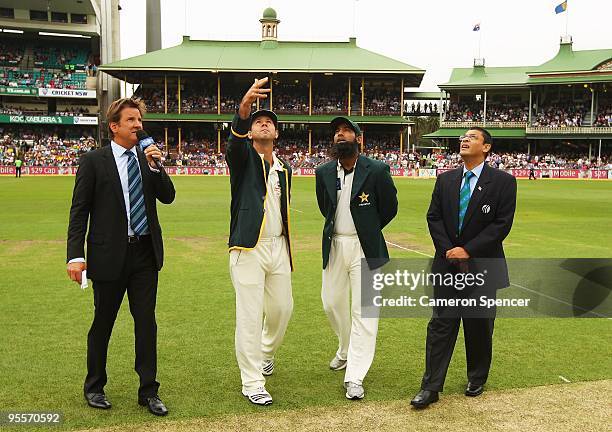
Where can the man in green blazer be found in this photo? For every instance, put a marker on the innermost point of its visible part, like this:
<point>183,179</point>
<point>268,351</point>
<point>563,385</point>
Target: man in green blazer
<point>259,244</point>
<point>357,197</point>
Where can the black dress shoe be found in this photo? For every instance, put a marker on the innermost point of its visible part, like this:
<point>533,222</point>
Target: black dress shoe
<point>97,400</point>
<point>424,398</point>
<point>155,405</point>
<point>473,390</point>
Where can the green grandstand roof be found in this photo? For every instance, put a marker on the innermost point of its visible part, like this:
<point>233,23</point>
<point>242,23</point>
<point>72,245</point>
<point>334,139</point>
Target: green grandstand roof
<point>495,133</point>
<point>256,56</point>
<point>481,77</point>
<point>567,67</point>
<point>568,60</point>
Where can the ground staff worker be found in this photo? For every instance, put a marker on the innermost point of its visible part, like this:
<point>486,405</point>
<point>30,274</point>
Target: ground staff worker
<point>260,248</point>
<point>18,163</point>
<point>357,197</point>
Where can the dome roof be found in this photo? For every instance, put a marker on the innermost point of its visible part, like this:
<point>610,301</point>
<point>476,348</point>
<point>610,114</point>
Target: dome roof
<point>269,13</point>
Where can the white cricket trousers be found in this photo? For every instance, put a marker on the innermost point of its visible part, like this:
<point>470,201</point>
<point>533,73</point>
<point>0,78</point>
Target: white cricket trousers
<point>341,295</point>
<point>262,281</point>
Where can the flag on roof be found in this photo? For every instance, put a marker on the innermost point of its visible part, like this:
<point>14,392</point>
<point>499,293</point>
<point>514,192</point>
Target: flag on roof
<point>561,8</point>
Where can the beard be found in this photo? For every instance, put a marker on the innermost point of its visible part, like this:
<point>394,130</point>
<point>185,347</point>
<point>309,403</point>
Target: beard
<point>344,149</point>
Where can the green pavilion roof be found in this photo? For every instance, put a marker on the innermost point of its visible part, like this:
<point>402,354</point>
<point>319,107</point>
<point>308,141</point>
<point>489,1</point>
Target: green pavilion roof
<point>567,67</point>
<point>264,56</point>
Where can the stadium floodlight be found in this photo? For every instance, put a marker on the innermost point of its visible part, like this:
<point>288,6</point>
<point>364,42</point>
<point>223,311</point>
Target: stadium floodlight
<point>64,35</point>
<point>12,31</point>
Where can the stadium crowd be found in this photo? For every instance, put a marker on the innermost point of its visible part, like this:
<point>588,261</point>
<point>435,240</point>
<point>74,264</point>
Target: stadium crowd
<point>380,102</point>
<point>520,160</point>
<point>496,112</point>
<point>42,78</point>
<point>67,111</point>
<point>604,117</point>
<point>288,98</point>
<point>41,147</point>
<point>569,114</point>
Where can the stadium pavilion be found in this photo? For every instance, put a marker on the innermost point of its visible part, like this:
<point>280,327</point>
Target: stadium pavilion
<point>193,89</point>
<point>559,105</point>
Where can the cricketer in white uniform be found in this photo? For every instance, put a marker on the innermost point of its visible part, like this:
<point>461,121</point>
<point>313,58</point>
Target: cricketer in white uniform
<point>260,249</point>
<point>357,197</point>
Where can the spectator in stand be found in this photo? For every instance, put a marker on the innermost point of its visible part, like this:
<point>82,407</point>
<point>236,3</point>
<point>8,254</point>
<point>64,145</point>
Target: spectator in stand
<point>604,117</point>
<point>559,115</point>
<point>496,112</point>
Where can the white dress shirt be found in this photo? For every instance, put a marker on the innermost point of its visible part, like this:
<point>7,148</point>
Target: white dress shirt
<point>273,225</point>
<point>121,160</point>
<point>343,221</point>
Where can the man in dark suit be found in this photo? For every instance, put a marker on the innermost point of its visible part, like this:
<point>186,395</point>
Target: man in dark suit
<point>116,188</point>
<point>357,197</point>
<point>471,213</point>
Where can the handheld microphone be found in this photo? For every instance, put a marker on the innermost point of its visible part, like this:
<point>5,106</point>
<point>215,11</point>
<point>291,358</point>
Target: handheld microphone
<point>144,141</point>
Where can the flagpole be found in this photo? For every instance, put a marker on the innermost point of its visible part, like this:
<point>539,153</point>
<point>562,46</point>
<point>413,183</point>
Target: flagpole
<point>479,41</point>
<point>566,20</point>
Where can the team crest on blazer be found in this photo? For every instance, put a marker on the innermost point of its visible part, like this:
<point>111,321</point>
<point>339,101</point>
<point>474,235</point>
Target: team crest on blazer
<point>486,208</point>
<point>364,199</point>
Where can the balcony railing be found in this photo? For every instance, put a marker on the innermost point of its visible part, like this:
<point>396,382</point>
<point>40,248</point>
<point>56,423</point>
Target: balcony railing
<point>569,130</point>
<point>489,124</point>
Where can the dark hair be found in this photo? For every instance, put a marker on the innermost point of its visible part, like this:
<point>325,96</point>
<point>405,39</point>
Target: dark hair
<point>488,139</point>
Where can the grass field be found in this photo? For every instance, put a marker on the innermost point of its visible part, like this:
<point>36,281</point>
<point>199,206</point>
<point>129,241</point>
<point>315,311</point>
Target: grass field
<point>44,318</point>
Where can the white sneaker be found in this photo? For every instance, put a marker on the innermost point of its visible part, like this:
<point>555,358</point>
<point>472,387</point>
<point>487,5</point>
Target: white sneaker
<point>354,391</point>
<point>259,396</point>
<point>337,364</point>
<point>267,367</point>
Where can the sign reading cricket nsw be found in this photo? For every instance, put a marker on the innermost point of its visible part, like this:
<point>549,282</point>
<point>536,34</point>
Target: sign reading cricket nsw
<point>66,93</point>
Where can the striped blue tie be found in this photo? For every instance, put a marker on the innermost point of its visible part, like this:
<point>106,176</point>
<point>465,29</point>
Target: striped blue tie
<point>138,215</point>
<point>464,197</point>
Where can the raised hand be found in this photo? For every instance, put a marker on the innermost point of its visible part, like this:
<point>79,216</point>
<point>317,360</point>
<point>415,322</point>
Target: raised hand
<point>254,93</point>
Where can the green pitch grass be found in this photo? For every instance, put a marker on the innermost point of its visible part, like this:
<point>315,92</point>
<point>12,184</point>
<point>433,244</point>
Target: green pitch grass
<point>44,318</point>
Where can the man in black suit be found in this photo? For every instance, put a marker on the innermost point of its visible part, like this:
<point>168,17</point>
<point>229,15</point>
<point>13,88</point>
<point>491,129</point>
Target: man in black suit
<point>471,213</point>
<point>357,197</point>
<point>116,188</point>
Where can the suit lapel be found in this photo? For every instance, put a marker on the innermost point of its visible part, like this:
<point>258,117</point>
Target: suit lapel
<point>113,175</point>
<point>362,169</point>
<point>282,180</point>
<point>455,186</point>
<point>480,190</point>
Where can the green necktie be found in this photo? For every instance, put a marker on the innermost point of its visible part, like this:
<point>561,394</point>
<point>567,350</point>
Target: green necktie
<point>464,197</point>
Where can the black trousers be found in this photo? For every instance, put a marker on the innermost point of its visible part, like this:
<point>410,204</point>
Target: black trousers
<point>139,279</point>
<point>442,333</point>
<point>18,172</point>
